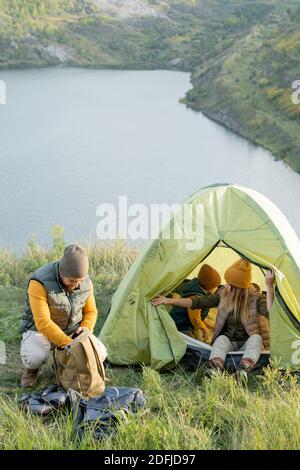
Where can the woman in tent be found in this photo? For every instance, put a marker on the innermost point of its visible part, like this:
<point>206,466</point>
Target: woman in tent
<point>242,319</point>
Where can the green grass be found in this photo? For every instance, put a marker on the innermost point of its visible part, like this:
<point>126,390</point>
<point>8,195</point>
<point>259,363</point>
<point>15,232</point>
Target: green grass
<point>185,410</point>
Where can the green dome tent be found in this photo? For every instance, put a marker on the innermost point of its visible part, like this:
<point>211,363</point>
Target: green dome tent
<point>236,222</point>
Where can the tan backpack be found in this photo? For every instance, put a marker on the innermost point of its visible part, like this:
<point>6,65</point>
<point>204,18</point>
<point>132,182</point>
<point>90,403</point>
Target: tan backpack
<point>79,366</point>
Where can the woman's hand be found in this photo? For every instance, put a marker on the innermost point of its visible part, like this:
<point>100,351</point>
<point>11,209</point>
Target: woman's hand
<point>160,299</point>
<point>270,278</point>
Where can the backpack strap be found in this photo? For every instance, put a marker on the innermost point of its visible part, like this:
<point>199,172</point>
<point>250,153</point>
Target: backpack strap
<point>99,361</point>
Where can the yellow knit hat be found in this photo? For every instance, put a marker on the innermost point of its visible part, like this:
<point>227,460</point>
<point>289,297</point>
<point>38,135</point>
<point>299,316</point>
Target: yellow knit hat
<point>239,274</point>
<point>208,277</point>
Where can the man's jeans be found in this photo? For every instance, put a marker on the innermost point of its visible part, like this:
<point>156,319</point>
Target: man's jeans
<point>36,348</point>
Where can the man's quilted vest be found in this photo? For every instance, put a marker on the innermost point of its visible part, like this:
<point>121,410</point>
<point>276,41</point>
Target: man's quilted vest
<point>256,323</point>
<point>65,307</point>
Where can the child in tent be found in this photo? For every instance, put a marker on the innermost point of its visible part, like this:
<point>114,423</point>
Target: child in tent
<point>197,323</point>
<point>242,319</point>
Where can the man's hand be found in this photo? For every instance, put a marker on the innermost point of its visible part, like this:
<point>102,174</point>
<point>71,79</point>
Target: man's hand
<point>80,329</point>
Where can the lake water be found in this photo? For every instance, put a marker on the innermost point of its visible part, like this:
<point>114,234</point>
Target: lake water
<point>72,139</point>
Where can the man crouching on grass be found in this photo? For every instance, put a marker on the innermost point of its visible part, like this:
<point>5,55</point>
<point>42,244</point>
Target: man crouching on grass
<point>60,301</point>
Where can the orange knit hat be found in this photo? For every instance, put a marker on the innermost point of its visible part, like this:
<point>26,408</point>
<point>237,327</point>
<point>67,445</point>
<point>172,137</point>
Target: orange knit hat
<point>208,277</point>
<point>239,274</point>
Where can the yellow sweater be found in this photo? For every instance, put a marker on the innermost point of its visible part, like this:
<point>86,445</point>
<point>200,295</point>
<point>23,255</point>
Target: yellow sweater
<point>42,316</point>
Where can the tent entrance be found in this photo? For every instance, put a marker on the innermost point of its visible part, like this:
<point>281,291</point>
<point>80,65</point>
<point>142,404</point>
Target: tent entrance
<point>221,257</point>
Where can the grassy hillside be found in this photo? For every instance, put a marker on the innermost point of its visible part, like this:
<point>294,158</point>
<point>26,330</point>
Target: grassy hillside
<point>249,88</point>
<point>244,56</point>
<point>184,411</point>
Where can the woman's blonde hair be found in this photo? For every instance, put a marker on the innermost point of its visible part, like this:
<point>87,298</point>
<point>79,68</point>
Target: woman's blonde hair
<point>236,300</point>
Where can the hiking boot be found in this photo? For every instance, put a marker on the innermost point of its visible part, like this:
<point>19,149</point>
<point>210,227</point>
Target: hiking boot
<point>242,373</point>
<point>241,376</point>
<point>29,377</point>
<point>214,367</point>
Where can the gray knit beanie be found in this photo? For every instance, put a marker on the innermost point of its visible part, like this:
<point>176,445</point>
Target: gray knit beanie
<point>74,263</point>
